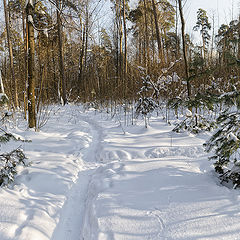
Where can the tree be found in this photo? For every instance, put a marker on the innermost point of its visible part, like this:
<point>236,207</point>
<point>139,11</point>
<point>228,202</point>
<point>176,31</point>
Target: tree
<point>184,48</point>
<point>31,65</point>
<point>7,14</point>
<point>157,30</point>
<point>125,40</point>
<point>61,56</point>
<point>204,26</point>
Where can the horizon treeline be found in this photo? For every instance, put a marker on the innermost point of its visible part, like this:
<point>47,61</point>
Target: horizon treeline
<point>56,50</point>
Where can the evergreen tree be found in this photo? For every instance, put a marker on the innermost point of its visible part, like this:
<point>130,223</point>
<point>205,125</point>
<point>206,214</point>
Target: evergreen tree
<point>146,103</point>
<point>225,143</point>
<point>204,26</point>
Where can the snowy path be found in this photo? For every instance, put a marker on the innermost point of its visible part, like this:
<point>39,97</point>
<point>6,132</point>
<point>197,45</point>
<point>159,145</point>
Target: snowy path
<point>71,219</point>
<point>48,201</point>
<point>157,185</point>
<point>89,181</point>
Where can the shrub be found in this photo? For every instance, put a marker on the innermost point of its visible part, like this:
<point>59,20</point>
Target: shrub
<point>225,144</point>
<point>8,165</point>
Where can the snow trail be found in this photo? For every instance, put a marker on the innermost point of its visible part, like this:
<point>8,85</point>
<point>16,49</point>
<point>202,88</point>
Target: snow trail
<point>73,214</point>
<point>161,189</point>
<point>89,181</point>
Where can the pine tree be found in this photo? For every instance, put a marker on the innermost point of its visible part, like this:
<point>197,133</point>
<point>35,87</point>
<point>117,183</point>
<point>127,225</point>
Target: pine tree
<point>225,143</point>
<point>146,103</point>
<point>204,26</point>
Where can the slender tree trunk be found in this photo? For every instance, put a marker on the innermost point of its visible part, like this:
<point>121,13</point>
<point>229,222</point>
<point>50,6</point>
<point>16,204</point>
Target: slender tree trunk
<point>204,52</point>
<point>184,48</point>
<point>213,31</point>
<point>61,57</point>
<point>1,83</point>
<point>120,44</point>
<point>31,67</point>
<point>125,40</point>
<point>146,37</point>
<point>86,42</point>
<point>153,39</point>
<point>15,98</point>
<point>157,31</point>
<point>177,42</point>
<point>24,32</point>
<point>238,54</point>
<point>81,57</point>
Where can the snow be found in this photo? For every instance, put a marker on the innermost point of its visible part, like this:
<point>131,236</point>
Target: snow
<point>188,113</point>
<point>233,137</point>
<point>88,180</point>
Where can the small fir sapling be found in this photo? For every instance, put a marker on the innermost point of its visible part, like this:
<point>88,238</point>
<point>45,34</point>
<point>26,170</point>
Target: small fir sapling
<point>145,104</point>
<point>195,122</point>
<point>8,165</point>
<point>11,160</point>
<point>225,142</point>
<point>150,90</point>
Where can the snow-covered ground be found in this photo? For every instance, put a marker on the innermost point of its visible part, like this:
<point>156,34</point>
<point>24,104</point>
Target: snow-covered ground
<point>90,181</point>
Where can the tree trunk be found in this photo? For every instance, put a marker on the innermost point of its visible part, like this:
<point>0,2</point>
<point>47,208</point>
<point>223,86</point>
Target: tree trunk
<point>125,41</point>
<point>120,44</point>
<point>238,44</point>
<point>61,57</point>
<point>146,37</point>
<point>1,83</point>
<point>184,47</point>
<point>157,31</point>
<point>15,98</point>
<point>86,42</point>
<point>31,68</point>
<point>81,56</point>
<point>24,32</point>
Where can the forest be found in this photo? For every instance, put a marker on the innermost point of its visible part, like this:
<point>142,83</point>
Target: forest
<point>117,122</point>
<point>52,51</point>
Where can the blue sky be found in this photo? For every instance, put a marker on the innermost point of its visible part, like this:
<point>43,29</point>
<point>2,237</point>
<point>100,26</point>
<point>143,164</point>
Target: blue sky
<point>223,11</point>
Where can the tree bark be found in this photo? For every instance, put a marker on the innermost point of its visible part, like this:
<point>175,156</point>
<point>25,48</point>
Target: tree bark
<point>61,57</point>
<point>184,48</point>
<point>125,40</point>
<point>157,31</point>
<point>31,68</point>
<point>1,83</point>
<point>24,32</point>
<point>15,98</point>
<point>146,37</point>
<point>120,44</point>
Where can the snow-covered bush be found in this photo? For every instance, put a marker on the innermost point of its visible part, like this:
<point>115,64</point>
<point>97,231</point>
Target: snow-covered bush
<point>10,161</point>
<point>225,144</point>
<point>145,106</point>
<point>175,103</point>
<point>230,99</point>
<point>194,123</point>
<point>3,99</point>
<point>7,136</point>
<point>146,103</point>
<point>8,165</point>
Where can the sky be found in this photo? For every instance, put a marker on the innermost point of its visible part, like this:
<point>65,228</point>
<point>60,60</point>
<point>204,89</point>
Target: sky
<point>223,10</point>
